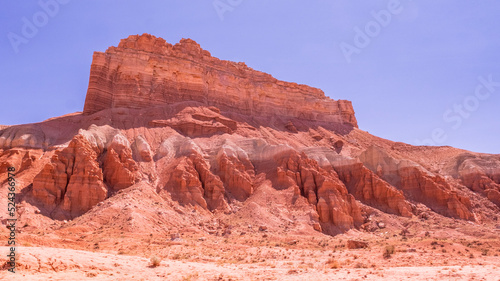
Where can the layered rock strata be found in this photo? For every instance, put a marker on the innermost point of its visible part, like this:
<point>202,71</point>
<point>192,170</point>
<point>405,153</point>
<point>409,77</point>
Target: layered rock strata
<point>145,71</point>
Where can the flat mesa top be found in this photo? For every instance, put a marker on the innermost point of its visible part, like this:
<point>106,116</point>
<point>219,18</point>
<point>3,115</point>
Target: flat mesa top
<point>146,71</point>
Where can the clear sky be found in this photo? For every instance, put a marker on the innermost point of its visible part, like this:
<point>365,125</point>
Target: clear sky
<point>420,72</point>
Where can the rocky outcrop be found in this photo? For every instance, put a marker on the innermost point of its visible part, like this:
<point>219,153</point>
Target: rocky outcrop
<point>184,185</point>
<point>337,209</point>
<point>72,183</point>
<point>368,188</point>
<point>197,122</point>
<point>84,173</point>
<point>192,183</point>
<point>25,136</point>
<point>236,171</point>
<point>142,150</point>
<point>19,159</point>
<point>482,175</point>
<point>433,191</point>
<point>417,183</point>
<point>120,170</point>
<point>145,71</point>
<point>212,185</point>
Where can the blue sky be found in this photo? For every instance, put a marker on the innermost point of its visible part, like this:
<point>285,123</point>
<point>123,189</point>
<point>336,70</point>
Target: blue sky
<point>420,72</point>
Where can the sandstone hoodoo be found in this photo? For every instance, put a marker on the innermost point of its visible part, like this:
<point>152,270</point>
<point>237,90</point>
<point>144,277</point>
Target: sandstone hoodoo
<point>171,137</point>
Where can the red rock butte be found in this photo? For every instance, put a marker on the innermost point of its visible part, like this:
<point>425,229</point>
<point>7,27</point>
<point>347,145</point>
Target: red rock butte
<point>184,137</point>
<point>146,71</point>
<point>180,155</point>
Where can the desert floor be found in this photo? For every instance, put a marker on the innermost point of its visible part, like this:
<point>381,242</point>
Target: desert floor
<point>267,257</point>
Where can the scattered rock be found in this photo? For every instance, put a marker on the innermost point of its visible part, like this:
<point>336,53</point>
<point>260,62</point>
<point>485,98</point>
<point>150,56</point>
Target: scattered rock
<point>317,137</point>
<point>356,244</point>
<point>175,237</point>
<point>338,145</point>
<point>317,226</point>
<point>424,216</point>
<point>291,127</point>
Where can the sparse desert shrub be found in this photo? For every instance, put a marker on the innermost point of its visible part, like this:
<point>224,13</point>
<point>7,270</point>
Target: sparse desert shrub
<point>360,265</point>
<point>332,263</point>
<point>192,277</point>
<point>155,261</point>
<point>356,244</point>
<point>7,264</point>
<point>388,251</point>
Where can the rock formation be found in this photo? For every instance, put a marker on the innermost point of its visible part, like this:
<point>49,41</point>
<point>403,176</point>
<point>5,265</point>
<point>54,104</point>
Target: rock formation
<point>192,183</point>
<point>322,188</point>
<point>236,171</point>
<point>120,170</point>
<point>82,175</point>
<point>417,183</point>
<point>371,189</point>
<point>199,137</point>
<point>72,183</point>
<point>145,71</point>
<point>481,174</point>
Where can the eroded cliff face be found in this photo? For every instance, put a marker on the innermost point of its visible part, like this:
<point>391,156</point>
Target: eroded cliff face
<point>417,183</point>
<point>72,183</point>
<point>216,138</point>
<point>481,174</point>
<point>82,175</point>
<point>145,71</point>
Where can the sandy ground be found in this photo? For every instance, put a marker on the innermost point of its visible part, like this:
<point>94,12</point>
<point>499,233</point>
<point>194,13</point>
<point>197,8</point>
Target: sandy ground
<point>37,263</point>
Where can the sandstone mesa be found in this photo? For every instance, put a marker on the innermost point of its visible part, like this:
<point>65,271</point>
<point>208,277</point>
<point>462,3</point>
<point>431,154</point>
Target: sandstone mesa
<point>186,132</point>
<point>207,132</point>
